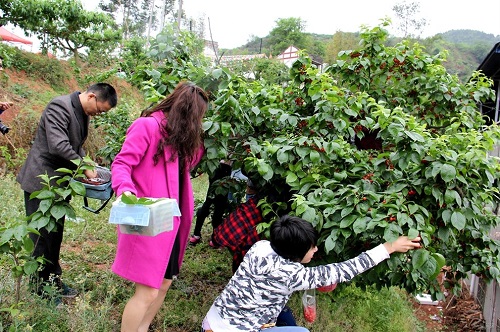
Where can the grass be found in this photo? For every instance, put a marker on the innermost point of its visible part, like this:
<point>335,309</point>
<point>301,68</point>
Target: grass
<point>87,254</point>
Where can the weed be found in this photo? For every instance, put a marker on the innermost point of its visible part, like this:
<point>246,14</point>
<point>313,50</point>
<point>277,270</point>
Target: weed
<point>87,254</point>
<point>21,90</point>
<point>37,66</point>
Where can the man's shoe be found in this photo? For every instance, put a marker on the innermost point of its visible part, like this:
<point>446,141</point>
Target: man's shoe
<point>68,292</point>
<point>194,240</point>
<point>56,302</point>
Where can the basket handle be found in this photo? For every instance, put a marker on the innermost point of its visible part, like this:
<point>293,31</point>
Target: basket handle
<point>96,211</point>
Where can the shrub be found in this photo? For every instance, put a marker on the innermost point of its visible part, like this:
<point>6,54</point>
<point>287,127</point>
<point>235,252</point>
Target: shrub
<point>49,70</point>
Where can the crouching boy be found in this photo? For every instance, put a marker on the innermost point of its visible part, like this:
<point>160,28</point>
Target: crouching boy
<point>272,270</point>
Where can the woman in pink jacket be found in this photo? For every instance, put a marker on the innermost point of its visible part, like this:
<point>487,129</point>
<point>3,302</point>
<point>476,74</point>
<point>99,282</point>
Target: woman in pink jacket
<point>160,149</point>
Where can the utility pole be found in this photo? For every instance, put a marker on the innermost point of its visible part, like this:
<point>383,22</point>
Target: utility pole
<point>162,19</point>
<point>179,16</point>
<point>150,23</point>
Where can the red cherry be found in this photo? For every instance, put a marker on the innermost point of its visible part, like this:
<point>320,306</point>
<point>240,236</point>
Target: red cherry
<point>310,314</point>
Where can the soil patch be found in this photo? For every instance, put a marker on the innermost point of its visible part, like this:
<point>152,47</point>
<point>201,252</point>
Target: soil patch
<point>454,314</point>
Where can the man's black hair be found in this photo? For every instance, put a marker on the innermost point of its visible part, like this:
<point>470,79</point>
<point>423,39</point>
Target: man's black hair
<point>292,237</point>
<point>104,92</point>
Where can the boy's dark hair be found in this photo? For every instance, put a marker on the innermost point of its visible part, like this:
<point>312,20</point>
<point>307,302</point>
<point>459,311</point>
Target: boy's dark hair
<point>292,237</point>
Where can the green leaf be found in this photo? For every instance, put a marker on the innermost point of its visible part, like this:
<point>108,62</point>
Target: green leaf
<point>444,234</point>
<point>226,128</point>
<point>392,232</point>
<point>58,211</point>
<point>404,219</point>
<point>129,199</point>
<point>429,267</point>
<point>291,178</point>
<point>78,187</point>
<point>6,236</point>
<point>347,221</point>
<point>45,205</point>
<point>28,244</point>
<point>215,127</point>
<point>302,152</point>
<point>446,215</point>
<point>415,136</point>
<point>413,233</point>
<point>315,156</point>
<point>396,187</point>
<point>495,273</point>
<point>339,176</point>
<point>217,73</point>
<point>70,212</point>
<point>458,220</point>
<point>330,242</point>
<point>40,222</point>
<point>346,211</point>
<point>65,170</point>
<point>448,173</point>
<point>420,256</point>
<point>265,170</point>
<point>451,196</point>
<point>207,125</point>
<point>309,214</point>
<point>441,261</point>
<point>45,194</point>
<point>360,225</point>
<point>282,156</point>
<point>30,267</point>
<point>412,208</point>
<point>145,201</point>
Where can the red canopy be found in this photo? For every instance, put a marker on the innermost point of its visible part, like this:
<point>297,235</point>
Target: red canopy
<point>9,36</point>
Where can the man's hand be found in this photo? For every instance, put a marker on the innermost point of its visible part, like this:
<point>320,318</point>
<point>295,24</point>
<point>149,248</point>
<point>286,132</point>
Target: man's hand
<point>402,244</point>
<point>90,173</point>
<point>5,105</point>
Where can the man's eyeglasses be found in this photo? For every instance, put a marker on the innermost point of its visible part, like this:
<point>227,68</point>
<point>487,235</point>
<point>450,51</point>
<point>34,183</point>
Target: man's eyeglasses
<point>97,107</point>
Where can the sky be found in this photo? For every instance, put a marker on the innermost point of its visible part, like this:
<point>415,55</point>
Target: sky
<point>233,22</point>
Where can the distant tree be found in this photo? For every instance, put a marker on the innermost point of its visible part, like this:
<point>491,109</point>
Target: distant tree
<point>61,24</point>
<point>408,23</point>
<point>254,45</point>
<point>133,54</point>
<point>288,31</point>
<point>271,70</point>
<point>197,26</point>
<point>316,48</point>
<point>340,41</point>
<point>167,9</point>
<point>467,36</point>
<point>135,14</point>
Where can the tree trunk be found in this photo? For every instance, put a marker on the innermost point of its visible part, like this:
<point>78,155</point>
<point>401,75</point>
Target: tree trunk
<point>76,56</point>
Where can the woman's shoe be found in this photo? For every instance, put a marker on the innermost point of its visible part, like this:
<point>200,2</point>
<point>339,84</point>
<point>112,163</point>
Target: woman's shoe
<point>213,245</point>
<point>194,240</point>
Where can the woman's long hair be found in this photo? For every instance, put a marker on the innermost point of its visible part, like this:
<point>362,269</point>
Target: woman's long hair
<point>184,109</point>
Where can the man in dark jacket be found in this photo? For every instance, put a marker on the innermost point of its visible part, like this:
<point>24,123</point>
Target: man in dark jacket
<point>61,132</point>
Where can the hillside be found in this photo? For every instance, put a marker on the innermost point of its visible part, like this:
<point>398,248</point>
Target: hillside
<point>466,48</point>
<point>469,37</point>
<point>30,90</point>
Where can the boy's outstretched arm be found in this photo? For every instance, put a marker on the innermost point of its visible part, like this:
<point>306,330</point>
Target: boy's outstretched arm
<point>402,244</point>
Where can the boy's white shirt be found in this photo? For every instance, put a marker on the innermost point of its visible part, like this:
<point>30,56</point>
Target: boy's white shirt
<point>250,285</point>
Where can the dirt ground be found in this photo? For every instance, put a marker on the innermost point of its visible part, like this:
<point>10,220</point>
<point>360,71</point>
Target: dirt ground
<point>455,314</point>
